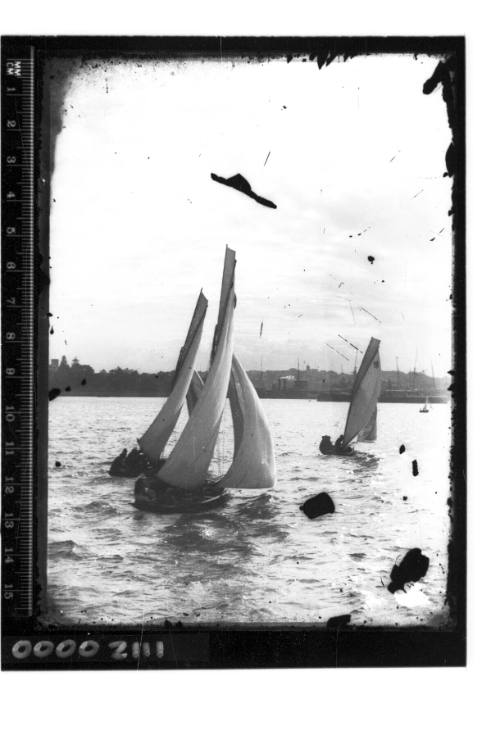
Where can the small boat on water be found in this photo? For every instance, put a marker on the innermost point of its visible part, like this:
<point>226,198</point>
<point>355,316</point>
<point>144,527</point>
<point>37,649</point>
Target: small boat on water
<point>425,407</point>
<point>362,415</point>
<point>181,482</point>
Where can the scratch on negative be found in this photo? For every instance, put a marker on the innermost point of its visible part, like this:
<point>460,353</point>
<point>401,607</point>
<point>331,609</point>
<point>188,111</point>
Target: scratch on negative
<point>370,314</point>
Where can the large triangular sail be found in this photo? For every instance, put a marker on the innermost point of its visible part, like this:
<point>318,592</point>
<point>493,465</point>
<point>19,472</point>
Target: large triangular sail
<point>365,392</point>
<point>226,286</point>
<point>188,463</point>
<point>158,433</point>
<point>253,463</point>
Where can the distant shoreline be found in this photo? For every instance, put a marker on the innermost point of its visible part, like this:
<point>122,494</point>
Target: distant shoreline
<point>281,397</point>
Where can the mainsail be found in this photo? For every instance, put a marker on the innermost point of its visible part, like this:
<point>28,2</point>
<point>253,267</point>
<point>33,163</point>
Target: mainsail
<point>365,392</point>
<point>156,436</point>
<point>188,463</point>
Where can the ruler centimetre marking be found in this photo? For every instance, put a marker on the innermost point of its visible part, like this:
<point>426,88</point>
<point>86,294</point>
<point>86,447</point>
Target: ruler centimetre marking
<point>17,331</point>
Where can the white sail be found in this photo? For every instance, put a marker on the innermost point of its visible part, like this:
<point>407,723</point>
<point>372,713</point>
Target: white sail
<point>156,436</point>
<point>188,463</point>
<point>369,432</point>
<point>253,458</point>
<point>365,392</point>
<point>226,285</point>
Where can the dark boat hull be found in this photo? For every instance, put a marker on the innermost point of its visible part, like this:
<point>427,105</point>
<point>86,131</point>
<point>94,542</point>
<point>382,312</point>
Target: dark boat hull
<point>120,469</point>
<point>151,494</point>
<point>338,454</point>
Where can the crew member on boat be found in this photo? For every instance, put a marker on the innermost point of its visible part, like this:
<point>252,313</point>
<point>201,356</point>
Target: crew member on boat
<point>327,448</point>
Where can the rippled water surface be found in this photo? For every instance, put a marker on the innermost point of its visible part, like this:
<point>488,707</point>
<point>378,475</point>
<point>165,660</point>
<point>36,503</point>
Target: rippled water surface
<point>258,558</point>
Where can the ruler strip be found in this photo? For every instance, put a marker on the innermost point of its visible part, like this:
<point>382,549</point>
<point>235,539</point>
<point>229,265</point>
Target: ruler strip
<point>18,369</point>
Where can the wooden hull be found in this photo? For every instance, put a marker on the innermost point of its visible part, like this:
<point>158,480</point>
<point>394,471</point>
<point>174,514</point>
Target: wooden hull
<point>338,454</point>
<point>151,494</point>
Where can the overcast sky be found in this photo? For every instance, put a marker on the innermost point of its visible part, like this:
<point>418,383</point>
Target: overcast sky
<point>138,226</point>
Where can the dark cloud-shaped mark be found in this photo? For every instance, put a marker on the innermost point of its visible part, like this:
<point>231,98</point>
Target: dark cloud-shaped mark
<point>238,182</point>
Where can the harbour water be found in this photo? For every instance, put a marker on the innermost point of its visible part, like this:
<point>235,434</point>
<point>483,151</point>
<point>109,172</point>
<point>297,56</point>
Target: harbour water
<point>257,559</point>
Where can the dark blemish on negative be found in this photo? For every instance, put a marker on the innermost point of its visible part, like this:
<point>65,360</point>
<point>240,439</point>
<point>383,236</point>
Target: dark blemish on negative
<point>267,158</point>
<point>53,393</point>
<point>414,467</point>
<point>51,330</point>
<point>444,73</point>
<point>238,182</point>
<point>334,623</point>
<point>405,498</point>
<point>433,238</point>
<point>371,259</point>
<point>283,107</point>
<point>49,315</point>
<point>84,382</point>
<point>68,388</point>
<point>318,505</point>
<point>412,568</point>
<point>58,464</point>
<point>420,191</point>
<point>402,449</point>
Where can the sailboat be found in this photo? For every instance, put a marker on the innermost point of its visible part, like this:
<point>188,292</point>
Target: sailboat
<point>362,415</point>
<point>425,407</point>
<point>147,456</point>
<point>182,482</point>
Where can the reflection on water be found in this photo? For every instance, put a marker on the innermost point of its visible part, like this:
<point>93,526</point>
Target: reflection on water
<point>257,558</point>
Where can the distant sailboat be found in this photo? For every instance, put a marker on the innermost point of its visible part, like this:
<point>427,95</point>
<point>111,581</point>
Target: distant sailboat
<point>181,483</point>
<point>425,407</point>
<point>362,415</point>
<point>152,443</point>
